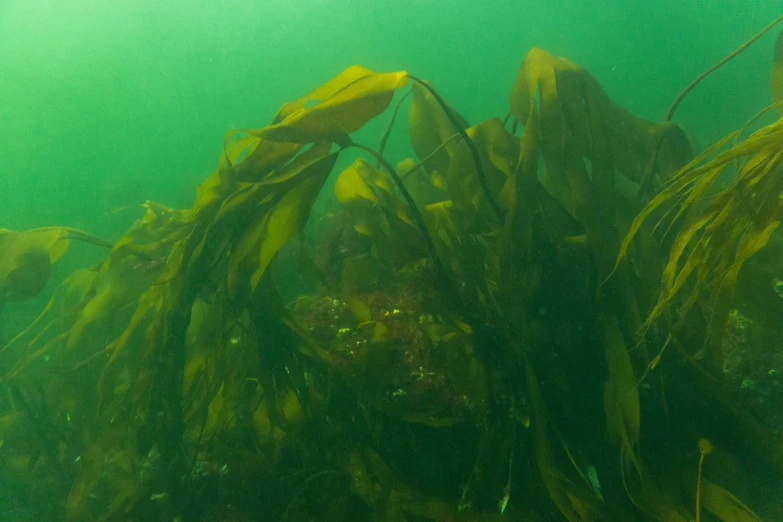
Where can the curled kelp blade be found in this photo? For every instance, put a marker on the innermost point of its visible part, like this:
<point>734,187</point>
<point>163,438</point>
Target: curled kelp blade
<point>356,98</point>
<point>351,190</point>
<point>266,156</point>
<point>26,259</point>
<point>327,90</point>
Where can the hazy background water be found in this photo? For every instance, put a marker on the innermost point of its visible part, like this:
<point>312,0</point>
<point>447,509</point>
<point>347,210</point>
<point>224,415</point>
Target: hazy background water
<point>105,104</point>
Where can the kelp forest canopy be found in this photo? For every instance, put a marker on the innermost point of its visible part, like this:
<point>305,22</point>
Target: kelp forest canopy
<point>559,315</point>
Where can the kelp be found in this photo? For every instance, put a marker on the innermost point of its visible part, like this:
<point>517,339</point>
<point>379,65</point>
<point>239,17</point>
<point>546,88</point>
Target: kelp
<point>28,256</point>
<point>462,342</point>
<point>717,230</point>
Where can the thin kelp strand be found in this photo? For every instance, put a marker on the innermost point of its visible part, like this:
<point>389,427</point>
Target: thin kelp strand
<point>506,118</point>
<point>665,219</point>
<point>429,156</point>
<point>390,126</point>
<point>687,170</point>
<point>694,83</point>
<point>758,116</point>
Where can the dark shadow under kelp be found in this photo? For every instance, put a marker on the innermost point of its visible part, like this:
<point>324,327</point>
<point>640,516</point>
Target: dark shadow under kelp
<point>481,336</point>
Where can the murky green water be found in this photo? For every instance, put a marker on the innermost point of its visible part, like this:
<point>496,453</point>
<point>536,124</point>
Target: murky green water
<point>107,105</point>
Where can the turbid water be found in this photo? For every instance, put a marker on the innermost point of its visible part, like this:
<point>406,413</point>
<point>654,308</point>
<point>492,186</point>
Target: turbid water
<point>312,337</point>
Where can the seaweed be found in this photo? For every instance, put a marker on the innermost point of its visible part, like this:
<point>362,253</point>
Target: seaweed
<point>483,334</point>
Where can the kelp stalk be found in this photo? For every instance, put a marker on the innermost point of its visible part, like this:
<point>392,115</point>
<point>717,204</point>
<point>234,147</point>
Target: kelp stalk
<point>429,156</point>
<point>482,178</point>
<point>81,235</point>
<point>706,73</point>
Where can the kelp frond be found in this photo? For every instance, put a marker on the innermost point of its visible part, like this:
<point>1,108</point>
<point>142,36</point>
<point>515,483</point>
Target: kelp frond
<point>717,229</point>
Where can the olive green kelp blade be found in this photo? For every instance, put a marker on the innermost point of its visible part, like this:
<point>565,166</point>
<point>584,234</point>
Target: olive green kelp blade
<point>368,193</point>
<point>280,220</point>
<point>358,96</point>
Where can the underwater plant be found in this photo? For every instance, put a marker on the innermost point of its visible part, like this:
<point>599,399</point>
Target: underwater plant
<point>462,338</point>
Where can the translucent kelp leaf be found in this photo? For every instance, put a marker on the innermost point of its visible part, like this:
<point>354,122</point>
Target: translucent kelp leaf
<point>405,166</point>
<point>150,303</point>
<point>568,99</point>
<point>679,183</point>
<point>107,472</point>
<point>342,113</point>
<point>211,192</point>
<point>75,291</point>
<point>375,331</point>
<point>289,175</point>
<point>358,308</point>
<point>94,295</point>
<point>536,76</point>
<point>151,237</point>
<point>438,218</point>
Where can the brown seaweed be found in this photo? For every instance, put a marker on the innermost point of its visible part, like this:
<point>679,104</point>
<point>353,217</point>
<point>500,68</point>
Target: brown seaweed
<point>475,311</point>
